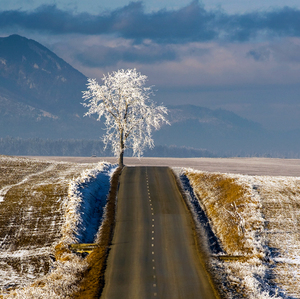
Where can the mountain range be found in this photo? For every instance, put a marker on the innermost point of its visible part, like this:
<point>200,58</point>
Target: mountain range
<point>41,95</point>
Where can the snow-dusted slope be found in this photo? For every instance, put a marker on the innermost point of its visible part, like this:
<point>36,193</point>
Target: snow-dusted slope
<point>44,209</point>
<point>254,239</point>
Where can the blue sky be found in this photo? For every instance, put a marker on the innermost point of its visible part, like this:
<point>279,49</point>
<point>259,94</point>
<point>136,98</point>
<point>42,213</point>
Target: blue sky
<point>239,55</point>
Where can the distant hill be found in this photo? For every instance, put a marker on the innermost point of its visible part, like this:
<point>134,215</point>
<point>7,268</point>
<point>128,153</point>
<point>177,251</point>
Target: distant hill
<point>225,134</point>
<point>40,93</point>
<point>217,130</point>
<point>34,75</point>
<point>40,96</point>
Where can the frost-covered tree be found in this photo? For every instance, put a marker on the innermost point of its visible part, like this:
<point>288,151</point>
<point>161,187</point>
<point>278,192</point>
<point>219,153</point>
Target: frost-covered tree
<point>130,115</point>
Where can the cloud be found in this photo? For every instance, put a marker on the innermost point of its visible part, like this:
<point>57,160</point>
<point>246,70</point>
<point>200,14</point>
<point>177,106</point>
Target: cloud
<point>287,52</point>
<point>261,54</point>
<point>106,51</point>
<point>187,66</point>
<point>188,23</point>
<point>284,22</point>
<point>192,23</point>
<point>102,55</point>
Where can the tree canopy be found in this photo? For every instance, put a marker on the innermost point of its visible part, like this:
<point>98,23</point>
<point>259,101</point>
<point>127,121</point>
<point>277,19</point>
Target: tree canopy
<point>130,115</point>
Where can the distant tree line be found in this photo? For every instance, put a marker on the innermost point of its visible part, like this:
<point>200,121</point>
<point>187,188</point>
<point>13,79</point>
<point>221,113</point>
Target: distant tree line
<point>86,148</point>
<point>260,154</point>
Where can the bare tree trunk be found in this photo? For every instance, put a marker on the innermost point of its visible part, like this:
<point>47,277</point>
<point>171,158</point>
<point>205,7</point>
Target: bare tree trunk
<point>121,156</point>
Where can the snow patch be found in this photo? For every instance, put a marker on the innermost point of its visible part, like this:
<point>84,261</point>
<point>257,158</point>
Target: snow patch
<point>87,199</point>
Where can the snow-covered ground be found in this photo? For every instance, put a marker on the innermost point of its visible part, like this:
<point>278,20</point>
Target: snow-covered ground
<point>248,166</point>
<point>252,227</point>
<point>44,207</point>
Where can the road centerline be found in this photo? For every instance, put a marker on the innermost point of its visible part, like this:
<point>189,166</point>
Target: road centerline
<point>152,238</point>
<point>153,244</point>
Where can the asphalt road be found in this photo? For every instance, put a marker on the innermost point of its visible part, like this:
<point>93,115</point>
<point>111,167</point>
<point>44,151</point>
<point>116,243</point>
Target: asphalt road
<point>153,254</point>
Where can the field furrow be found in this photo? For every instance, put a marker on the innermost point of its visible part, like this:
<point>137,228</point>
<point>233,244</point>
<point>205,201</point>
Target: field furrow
<point>34,195</point>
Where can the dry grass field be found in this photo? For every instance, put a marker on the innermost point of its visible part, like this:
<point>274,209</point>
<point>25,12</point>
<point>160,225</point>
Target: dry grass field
<point>254,217</point>
<point>40,204</point>
<point>256,221</point>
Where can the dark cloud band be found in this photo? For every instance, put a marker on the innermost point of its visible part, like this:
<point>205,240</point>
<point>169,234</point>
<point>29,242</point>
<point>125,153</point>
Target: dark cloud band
<point>187,24</point>
<point>100,56</point>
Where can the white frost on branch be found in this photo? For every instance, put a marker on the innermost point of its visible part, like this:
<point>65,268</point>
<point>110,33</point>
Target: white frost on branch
<point>130,114</point>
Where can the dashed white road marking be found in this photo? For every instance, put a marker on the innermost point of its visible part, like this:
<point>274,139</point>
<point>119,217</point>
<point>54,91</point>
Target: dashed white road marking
<point>152,237</point>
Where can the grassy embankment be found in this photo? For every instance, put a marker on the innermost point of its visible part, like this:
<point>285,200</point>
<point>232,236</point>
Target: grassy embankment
<point>34,206</point>
<point>230,206</point>
<point>234,216</point>
<point>93,278</point>
<point>256,221</point>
